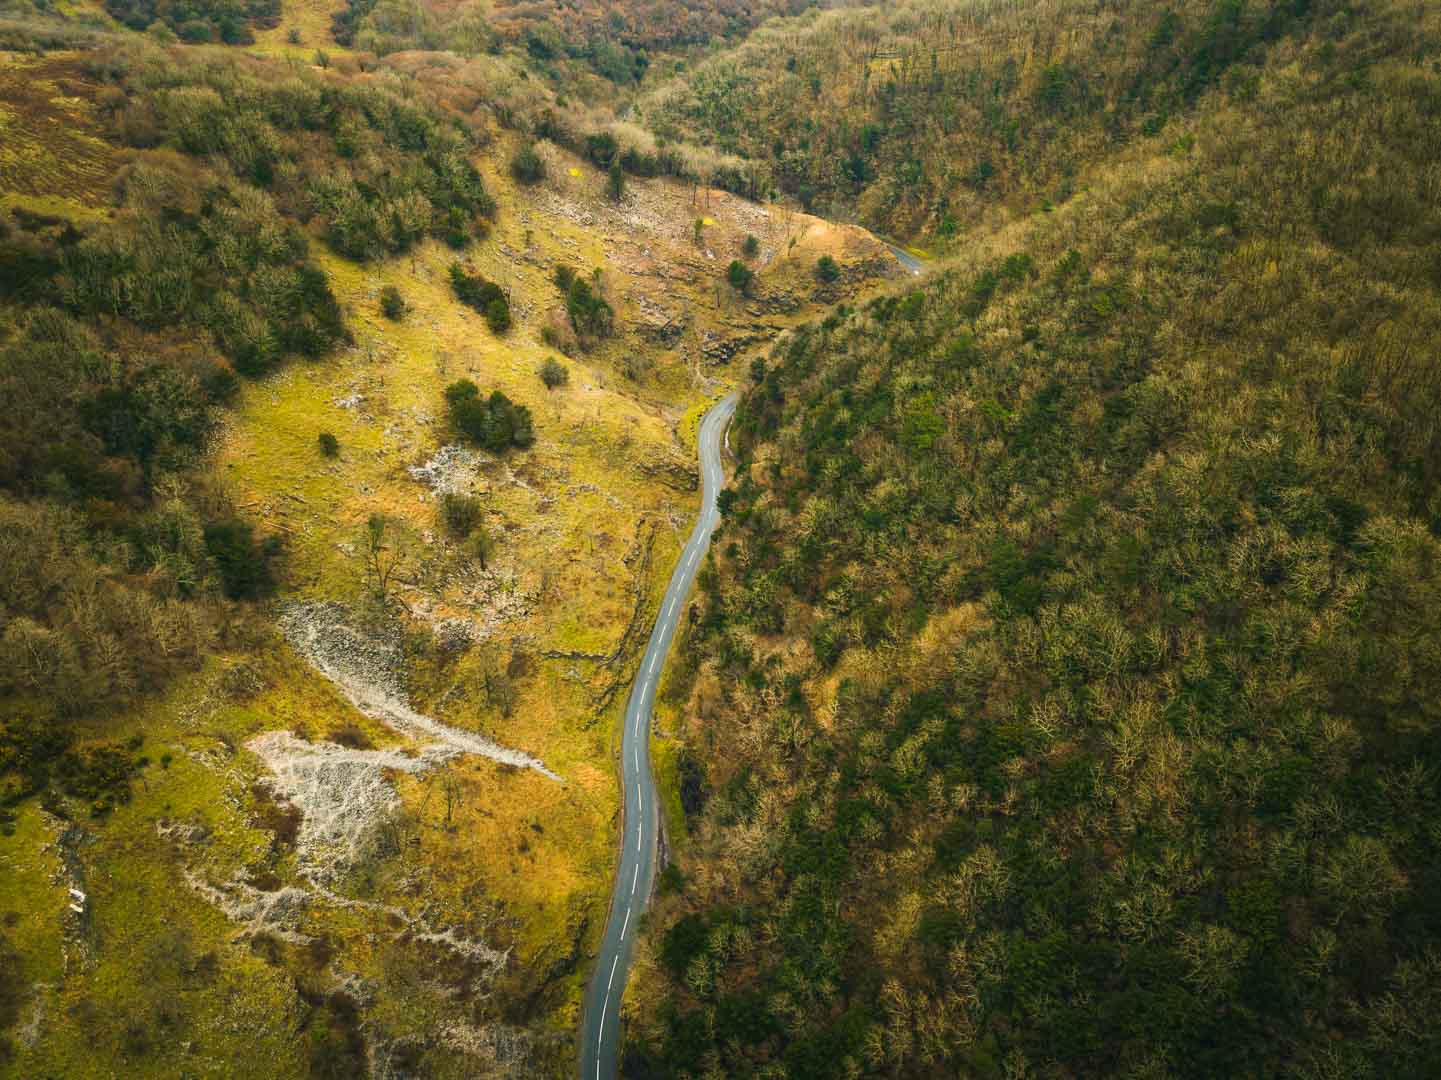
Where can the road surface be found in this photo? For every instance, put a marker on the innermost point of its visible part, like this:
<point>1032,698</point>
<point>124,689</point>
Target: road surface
<point>906,259</point>
<point>600,1029</point>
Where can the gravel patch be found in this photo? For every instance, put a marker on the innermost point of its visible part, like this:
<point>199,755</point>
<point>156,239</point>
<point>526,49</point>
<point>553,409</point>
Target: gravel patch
<point>452,469</point>
<point>368,670</point>
<point>344,794</point>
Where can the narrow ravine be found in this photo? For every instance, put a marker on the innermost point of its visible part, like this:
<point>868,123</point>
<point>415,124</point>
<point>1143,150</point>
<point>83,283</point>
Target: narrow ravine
<point>635,873</point>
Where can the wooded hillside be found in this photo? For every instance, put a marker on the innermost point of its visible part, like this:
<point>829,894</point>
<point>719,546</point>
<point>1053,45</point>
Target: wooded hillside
<point>1067,693</point>
<point>922,118</point>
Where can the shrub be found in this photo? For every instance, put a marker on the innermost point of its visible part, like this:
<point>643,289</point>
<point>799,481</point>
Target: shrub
<point>460,513</point>
<point>751,247</point>
<point>494,423</point>
<point>527,166</point>
<point>590,315</point>
<point>615,182</point>
<point>199,20</point>
<point>329,444</point>
<point>553,373</point>
<point>497,315</point>
<point>828,270</point>
<point>243,565</point>
<point>484,296</point>
<point>392,304</point>
<point>740,276</point>
<point>601,148</point>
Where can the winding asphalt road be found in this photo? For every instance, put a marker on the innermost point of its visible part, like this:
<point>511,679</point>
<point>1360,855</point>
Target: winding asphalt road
<point>600,1030</point>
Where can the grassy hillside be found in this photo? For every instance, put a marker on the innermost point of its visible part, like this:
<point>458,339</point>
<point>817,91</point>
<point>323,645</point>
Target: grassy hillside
<point>919,118</point>
<point>227,322</point>
<point>1066,697</point>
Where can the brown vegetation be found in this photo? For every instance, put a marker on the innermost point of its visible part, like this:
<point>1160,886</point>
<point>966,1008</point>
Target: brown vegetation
<point>1068,669</point>
<point>920,118</point>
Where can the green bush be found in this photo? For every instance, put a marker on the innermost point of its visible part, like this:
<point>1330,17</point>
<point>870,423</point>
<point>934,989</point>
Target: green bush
<point>484,296</point>
<point>460,513</point>
<point>527,166</point>
<point>497,315</point>
<point>392,304</point>
<point>227,21</point>
<point>828,270</point>
<point>243,564</point>
<point>494,423</point>
<point>591,316</point>
<point>553,373</point>
<point>740,277</point>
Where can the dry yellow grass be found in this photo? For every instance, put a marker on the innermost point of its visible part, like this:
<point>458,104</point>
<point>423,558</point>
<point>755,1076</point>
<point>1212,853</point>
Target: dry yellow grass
<point>311,20</point>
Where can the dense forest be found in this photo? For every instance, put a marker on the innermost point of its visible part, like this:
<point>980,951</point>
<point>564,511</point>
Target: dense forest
<point>210,20</point>
<point>919,117</point>
<point>1066,699</point>
<point>612,39</point>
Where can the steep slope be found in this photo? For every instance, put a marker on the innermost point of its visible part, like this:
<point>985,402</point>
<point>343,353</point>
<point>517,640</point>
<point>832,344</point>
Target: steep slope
<point>921,118</point>
<point>1065,701</point>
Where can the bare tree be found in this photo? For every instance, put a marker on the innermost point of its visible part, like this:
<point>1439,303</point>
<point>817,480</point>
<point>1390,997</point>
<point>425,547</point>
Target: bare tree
<point>386,551</point>
<point>451,789</point>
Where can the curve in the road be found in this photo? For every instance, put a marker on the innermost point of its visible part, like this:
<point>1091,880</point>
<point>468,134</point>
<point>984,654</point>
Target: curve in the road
<point>906,259</point>
<point>600,1030</point>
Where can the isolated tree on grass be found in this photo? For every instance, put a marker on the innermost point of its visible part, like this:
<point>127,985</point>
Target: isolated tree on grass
<point>385,551</point>
<point>483,545</point>
<point>553,373</point>
<point>392,304</point>
<point>740,276</point>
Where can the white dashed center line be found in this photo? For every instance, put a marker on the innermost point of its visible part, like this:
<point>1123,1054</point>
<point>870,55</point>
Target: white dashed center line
<point>646,683</point>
